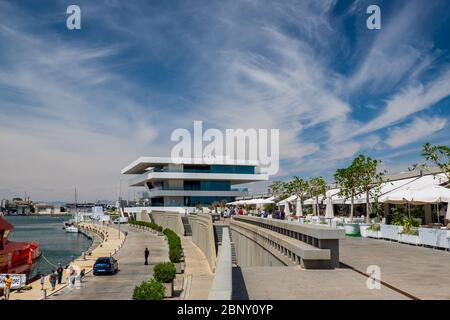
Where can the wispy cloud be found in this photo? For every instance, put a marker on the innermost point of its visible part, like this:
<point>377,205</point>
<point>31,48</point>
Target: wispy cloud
<point>418,129</point>
<point>77,107</point>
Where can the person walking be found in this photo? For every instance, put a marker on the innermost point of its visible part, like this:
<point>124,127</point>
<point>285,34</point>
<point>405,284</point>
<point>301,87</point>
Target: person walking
<point>146,254</point>
<point>53,277</point>
<point>42,281</point>
<point>59,271</point>
<point>8,282</point>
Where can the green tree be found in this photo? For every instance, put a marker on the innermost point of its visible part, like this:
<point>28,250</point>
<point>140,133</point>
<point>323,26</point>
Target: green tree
<point>347,179</point>
<point>439,155</point>
<point>369,178</point>
<point>317,187</point>
<point>299,187</point>
<point>278,188</point>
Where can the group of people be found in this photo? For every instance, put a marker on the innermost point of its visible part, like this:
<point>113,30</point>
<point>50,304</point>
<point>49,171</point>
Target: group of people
<point>260,213</point>
<point>228,213</point>
<point>55,277</point>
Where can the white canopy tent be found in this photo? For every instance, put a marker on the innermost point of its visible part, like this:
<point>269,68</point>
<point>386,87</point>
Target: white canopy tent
<point>288,199</point>
<point>387,190</point>
<point>259,201</point>
<point>434,194</point>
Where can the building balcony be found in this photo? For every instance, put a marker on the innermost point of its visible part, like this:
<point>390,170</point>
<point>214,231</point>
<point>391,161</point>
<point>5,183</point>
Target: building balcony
<point>161,175</point>
<point>157,192</point>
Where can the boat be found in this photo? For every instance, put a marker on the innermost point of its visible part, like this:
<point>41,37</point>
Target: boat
<point>72,229</point>
<point>16,257</point>
<point>70,226</point>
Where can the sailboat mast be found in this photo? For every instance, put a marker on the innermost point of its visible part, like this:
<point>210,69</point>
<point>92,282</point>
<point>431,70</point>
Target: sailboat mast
<point>76,207</point>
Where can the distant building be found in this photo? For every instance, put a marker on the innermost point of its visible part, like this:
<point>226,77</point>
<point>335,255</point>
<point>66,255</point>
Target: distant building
<point>191,182</point>
<point>47,209</point>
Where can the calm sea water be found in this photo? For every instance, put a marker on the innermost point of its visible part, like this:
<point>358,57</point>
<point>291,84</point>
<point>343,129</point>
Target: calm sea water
<point>56,244</point>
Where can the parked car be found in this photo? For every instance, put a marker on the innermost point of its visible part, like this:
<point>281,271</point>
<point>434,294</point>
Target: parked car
<point>105,265</point>
<point>120,220</point>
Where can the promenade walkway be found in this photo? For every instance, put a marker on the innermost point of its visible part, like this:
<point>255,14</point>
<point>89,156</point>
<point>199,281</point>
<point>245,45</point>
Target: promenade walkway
<point>419,271</point>
<point>105,248</point>
<point>197,275</point>
<point>131,266</point>
<point>294,283</point>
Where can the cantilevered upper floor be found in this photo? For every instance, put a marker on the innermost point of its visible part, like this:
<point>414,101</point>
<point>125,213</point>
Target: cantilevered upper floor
<point>159,169</point>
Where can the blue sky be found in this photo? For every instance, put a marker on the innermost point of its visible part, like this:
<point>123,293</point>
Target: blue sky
<point>77,106</point>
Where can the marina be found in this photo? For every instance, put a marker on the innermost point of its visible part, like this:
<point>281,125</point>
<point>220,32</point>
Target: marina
<point>56,244</point>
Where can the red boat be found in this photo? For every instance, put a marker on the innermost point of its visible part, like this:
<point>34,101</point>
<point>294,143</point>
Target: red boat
<point>16,257</point>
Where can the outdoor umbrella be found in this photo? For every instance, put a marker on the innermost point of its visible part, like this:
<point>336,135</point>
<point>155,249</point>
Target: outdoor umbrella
<point>286,209</point>
<point>298,208</point>
<point>447,216</point>
<point>329,211</point>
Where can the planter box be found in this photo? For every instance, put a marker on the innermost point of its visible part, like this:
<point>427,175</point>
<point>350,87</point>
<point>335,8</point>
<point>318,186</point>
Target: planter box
<point>168,293</point>
<point>373,234</point>
<point>390,232</point>
<point>179,266</point>
<point>363,230</point>
<point>351,229</point>
<point>409,238</point>
<point>441,238</point>
<point>428,236</point>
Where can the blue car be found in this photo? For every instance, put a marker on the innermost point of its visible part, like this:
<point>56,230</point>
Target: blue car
<point>105,265</point>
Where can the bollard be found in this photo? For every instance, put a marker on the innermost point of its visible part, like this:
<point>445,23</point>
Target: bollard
<point>45,294</point>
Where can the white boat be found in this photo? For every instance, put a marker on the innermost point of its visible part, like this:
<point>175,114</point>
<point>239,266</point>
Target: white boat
<point>72,229</point>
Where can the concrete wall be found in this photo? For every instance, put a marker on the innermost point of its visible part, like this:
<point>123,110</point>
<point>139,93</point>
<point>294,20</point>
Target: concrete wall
<point>171,220</point>
<point>143,215</point>
<point>222,286</point>
<point>203,237</point>
<point>270,242</point>
<point>251,254</point>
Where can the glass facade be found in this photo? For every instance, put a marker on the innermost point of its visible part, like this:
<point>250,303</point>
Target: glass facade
<point>205,201</point>
<point>219,169</point>
<point>206,185</point>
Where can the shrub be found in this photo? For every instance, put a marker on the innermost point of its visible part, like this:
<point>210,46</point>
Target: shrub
<point>175,248</point>
<point>374,227</point>
<point>397,219</point>
<point>410,230</point>
<point>411,222</point>
<point>149,290</point>
<point>164,272</point>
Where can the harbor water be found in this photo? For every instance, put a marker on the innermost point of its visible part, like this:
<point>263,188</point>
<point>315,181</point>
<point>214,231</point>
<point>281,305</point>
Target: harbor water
<point>57,245</point>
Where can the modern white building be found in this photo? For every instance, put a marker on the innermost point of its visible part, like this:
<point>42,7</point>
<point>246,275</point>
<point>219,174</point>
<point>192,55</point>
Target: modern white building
<point>187,182</point>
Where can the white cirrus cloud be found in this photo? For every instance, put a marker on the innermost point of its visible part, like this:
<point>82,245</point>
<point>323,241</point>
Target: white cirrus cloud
<point>418,129</point>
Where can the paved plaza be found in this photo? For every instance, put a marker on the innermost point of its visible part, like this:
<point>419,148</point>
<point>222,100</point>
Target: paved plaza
<point>420,271</point>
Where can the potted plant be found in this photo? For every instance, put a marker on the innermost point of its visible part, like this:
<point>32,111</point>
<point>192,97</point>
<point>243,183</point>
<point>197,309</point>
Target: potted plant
<point>409,235</point>
<point>165,273</point>
<point>373,231</point>
<point>363,229</point>
<point>149,290</point>
<point>391,231</point>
